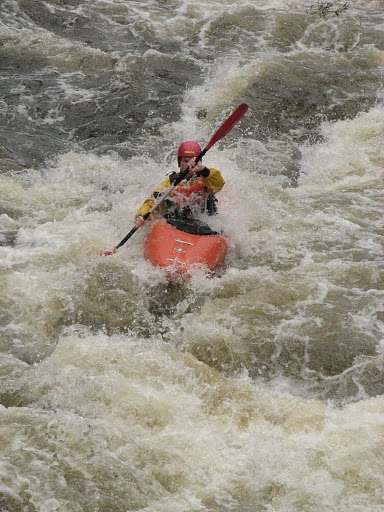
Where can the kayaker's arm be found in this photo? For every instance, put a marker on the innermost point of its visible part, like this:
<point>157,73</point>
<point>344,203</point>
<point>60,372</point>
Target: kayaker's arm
<point>212,179</point>
<point>150,201</point>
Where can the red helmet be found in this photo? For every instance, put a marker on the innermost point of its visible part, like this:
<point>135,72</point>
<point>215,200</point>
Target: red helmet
<point>189,148</point>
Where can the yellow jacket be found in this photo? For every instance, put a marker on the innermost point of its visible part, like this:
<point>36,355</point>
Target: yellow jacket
<point>211,184</point>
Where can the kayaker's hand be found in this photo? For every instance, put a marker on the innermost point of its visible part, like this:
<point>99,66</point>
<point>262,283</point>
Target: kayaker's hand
<point>194,168</point>
<point>173,177</point>
<point>139,221</point>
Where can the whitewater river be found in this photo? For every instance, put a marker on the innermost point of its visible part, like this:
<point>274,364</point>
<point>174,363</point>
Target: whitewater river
<point>260,389</point>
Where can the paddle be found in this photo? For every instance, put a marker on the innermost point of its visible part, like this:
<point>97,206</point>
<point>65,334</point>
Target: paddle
<point>226,127</point>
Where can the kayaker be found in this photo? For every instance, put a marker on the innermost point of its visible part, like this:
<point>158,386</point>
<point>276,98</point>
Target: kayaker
<point>196,193</point>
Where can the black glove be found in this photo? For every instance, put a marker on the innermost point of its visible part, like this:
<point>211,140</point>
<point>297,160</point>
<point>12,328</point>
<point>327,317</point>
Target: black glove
<point>204,172</point>
<point>173,177</point>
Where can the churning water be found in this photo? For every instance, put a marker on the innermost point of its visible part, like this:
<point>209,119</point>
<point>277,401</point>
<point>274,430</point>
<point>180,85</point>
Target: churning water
<point>258,390</point>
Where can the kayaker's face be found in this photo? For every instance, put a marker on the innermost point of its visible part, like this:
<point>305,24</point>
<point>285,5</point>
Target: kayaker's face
<point>184,161</point>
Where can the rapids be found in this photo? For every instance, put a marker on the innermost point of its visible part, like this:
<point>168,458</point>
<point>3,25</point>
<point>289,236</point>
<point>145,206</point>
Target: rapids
<point>260,389</point>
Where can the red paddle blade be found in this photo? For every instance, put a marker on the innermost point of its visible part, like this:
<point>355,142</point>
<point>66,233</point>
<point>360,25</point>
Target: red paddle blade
<point>108,253</point>
<point>228,124</point>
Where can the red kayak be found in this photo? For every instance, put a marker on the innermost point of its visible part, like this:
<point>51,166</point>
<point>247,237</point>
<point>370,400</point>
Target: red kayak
<point>183,244</point>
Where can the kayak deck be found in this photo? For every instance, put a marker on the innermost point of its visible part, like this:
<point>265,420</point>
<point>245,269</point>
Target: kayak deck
<point>167,246</point>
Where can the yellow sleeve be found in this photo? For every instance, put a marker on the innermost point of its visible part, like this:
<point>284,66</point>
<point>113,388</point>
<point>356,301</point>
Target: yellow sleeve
<point>150,201</point>
<point>214,182</point>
